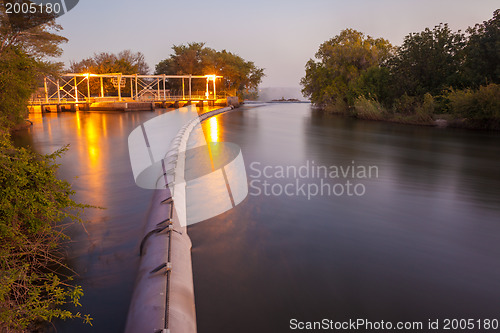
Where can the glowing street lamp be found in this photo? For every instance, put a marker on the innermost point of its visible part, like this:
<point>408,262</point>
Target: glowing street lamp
<point>212,77</point>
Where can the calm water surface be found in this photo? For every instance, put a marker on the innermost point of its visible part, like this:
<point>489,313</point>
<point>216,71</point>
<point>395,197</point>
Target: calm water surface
<point>422,243</point>
<point>104,253</point>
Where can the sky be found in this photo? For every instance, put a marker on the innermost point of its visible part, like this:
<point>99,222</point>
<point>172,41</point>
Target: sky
<point>277,35</point>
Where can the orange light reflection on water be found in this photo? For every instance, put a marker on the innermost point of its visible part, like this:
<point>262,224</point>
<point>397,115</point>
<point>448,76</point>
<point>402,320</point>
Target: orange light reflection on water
<point>78,124</point>
<point>92,150</point>
<point>212,130</point>
<point>213,127</point>
<point>93,132</point>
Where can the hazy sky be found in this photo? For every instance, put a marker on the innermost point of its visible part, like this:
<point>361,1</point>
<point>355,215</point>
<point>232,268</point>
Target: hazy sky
<point>278,35</point>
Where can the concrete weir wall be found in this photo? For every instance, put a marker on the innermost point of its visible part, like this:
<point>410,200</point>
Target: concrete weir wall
<point>163,297</point>
<point>163,300</point>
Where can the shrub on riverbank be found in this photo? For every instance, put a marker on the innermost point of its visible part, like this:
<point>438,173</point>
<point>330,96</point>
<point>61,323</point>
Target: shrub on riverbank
<point>35,208</point>
<point>407,111</point>
<point>483,103</point>
<point>425,110</point>
<point>476,108</point>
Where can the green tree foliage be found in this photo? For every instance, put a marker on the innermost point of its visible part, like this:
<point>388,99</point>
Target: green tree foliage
<point>186,59</point>
<point>434,70</point>
<point>342,60</point>
<point>374,83</point>
<point>17,82</point>
<point>125,62</point>
<point>239,76</point>
<point>22,61</point>
<point>428,61</point>
<point>39,41</point>
<point>482,53</point>
<point>35,207</point>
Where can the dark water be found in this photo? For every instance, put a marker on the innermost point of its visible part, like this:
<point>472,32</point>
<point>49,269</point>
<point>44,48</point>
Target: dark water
<point>422,243</point>
<point>105,253</point>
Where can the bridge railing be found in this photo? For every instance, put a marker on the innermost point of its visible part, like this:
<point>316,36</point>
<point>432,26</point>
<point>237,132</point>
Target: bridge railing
<point>55,101</point>
<point>79,88</point>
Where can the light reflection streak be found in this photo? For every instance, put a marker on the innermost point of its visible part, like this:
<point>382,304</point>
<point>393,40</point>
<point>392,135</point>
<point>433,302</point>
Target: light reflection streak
<point>214,129</point>
<point>211,132</point>
<point>92,134</point>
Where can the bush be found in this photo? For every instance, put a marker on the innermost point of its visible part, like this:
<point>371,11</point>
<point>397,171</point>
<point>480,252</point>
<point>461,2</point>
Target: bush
<point>33,206</point>
<point>479,104</point>
<point>425,110</point>
<point>405,105</point>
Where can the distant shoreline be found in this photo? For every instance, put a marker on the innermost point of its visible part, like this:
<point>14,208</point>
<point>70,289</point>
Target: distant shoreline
<point>438,120</point>
<point>288,101</point>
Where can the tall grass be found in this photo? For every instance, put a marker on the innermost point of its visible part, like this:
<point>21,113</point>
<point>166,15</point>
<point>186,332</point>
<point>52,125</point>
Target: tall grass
<point>370,109</point>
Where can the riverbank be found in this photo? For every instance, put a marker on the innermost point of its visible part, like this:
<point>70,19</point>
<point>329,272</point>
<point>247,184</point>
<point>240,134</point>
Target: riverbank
<point>442,121</point>
<point>413,113</point>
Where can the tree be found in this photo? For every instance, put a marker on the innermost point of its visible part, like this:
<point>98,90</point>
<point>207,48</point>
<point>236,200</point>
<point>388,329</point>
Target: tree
<point>36,35</point>
<point>239,75</point>
<point>482,53</point>
<point>374,83</point>
<point>342,60</point>
<point>17,82</point>
<point>428,61</point>
<point>433,70</point>
<point>125,62</point>
<point>23,55</point>
<point>186,59</point>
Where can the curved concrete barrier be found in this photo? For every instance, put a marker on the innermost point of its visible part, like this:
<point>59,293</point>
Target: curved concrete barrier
<point>163,297</point>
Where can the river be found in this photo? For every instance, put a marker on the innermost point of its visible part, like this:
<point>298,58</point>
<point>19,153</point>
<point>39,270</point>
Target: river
<point>418,239</point>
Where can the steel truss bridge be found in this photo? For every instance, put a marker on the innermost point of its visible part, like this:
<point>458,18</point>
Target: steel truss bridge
<point>75,88</point>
